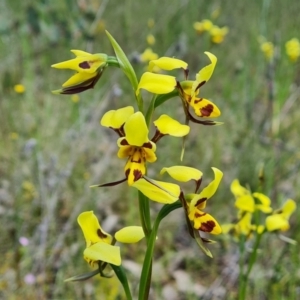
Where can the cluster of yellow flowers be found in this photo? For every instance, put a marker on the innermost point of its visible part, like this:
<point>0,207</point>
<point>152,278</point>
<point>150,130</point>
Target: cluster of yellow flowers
<point>292,49</point>
<point>217,34</point>
<point>135,145</point>
<point>248,204</point>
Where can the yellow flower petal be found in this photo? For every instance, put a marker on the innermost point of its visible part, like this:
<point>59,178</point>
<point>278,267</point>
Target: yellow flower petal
<point>130,234</point>
<point>264,203</point>
<point>277,222</point>
<point>167,125</point>
<point>205,73</point>
<point>136,130</point>
<point>78,78</point>
<point>158,191</point>
<point>157,83</point>
<point>148,55</point>
<point>91,228</point>
<point>103,252</point>
<point>244,200</point>
<point>182,173</point>
<point>116,118</point>
<point>288,208</point>
<point>210,190</point>
<point>167,63</point>
<point>205,108</point>
<point>206,223</point>
<point>80,53</point>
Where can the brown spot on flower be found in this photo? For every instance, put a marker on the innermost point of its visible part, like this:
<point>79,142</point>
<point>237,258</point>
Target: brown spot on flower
<point>124,142</point>
<point>207,226</point>
<point>101,234</point>
<point>84,65</point>
<point>148,145</point>
<point>137,174</point>
<point>206,110</point>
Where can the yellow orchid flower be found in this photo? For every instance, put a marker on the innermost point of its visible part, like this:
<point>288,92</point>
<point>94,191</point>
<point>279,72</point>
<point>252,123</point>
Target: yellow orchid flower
<point>268,49</point>
<point>148,55</point>
<point>99,243</point>
<point>244,200</point>
<point>204,25</point>
<point>217,34</point>
<point>137,147</point>
<point>88,67</point>
<point>292,48</point>
<point>134,143</point>
<point>279,220</point>
<point>201,220</point>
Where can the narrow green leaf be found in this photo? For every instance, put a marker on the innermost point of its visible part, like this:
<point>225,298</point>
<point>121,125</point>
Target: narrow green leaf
<point>126,67</point>
<point>160,99</point>
<point>120,272</point>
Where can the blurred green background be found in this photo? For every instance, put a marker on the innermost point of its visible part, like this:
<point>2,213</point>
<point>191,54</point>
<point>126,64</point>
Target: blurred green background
<point>52,148</point>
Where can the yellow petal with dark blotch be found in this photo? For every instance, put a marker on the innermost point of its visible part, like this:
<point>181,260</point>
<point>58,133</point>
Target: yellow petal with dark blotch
<point>135,168</point>
<point>156,83</point>
<point>182,173</point>
<point>167,125</point>
<point>206,223</point>
<point>124,151</point>
<point>136,130</point>
<point>130,234</point>
<point>159,191</point>
<point>205,73</point>
<point>78,78</point>
<point>204,108</point>
<point>116,118</point>
<point>167,63</point>
<point>103,252</point>
<point>210,190</point>
<point>91,228</point>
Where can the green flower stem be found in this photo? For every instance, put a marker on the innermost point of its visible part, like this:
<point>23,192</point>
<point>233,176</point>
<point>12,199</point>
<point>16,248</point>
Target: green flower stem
<point>150,110</point>
<point>242,282</point>
<point>144,207</point>
<point>123,279</point>
<point>112,61</point>
<point>145,279</point>
<point>245,276</point>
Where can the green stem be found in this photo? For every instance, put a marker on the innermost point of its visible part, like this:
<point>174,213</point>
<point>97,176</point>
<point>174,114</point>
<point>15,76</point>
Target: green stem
<point>145,279</point>
<point>242,282</point>
<point>144,208</point>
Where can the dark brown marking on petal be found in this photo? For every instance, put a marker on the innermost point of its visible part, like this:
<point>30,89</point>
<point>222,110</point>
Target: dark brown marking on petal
<point>147,145</point>
<point>194,120</point>
<point>127,173</point>
<point>207,110</point>
<point>137,174</point>
<point>101,234</point>
<point>84,65</point>
<point>200,84</point>
<point>207,226</point>
<point>124,142</point>
<point>200,201</point>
